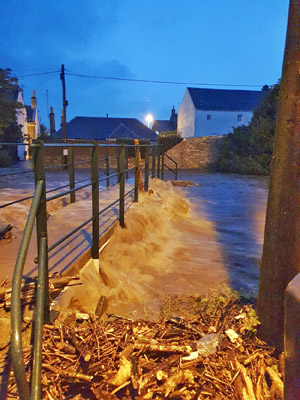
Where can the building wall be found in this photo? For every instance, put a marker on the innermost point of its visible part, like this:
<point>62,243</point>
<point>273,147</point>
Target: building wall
<point>186,117</point>
<point>196,153</point>
<point>219,122</point>
<point>21,120</point>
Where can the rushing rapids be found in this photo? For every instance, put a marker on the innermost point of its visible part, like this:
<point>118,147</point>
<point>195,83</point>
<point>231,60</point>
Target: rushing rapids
<point>166,248</point>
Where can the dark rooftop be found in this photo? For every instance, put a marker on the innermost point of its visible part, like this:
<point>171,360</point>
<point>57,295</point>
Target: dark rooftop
<point>100,128</point>
<point>163,125</point>
<point>123,132</point>
<point>11,93</point>
<point>30,113</point>
<point>226,100</point>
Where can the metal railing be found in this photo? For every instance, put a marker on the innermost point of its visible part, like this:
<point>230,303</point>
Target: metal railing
<point>175,171</point>
<point>38,212</point>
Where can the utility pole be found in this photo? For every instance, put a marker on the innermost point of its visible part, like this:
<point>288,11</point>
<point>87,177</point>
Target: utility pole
<point>65,102</point>
<point>281,254</point>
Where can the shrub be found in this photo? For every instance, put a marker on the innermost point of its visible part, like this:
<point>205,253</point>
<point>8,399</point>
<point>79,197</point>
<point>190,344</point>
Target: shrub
<point>4,159</point>
<point>169,139</point>
<point>248,150</point>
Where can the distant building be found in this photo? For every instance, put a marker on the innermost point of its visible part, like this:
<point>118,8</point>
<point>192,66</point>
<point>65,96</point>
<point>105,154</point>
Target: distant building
<point>161,125</point>
<point>205,112</point>
<point>101,128</point>
<point>27,117</point>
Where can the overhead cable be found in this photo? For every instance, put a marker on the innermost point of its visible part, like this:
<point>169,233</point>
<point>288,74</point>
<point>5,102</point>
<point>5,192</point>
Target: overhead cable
<point>159,82</point>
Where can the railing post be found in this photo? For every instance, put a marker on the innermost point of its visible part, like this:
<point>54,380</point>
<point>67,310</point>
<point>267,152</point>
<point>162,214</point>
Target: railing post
<point>41,218</point>
<point>147,167</point>
<point>118,163</point>
<point>153,150</point>
<point>122,186</point>
<point>39,322</point>
<point>107,165</point>
<point>162,162</point>
<point>137,171</point>
<point>95,199</point>
<point>126,163</point>
<point>71,174</point>
<point>158,162</point>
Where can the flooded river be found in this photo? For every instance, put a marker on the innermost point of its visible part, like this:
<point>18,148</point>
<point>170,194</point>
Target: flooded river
<point>236,205</point>
<point>179,241</point>
<point>176,241</point>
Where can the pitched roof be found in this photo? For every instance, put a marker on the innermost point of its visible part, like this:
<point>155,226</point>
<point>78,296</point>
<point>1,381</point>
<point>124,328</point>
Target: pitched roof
<point>100,128</point>
<point>123,132</point>
<point>30,113</point>
<point>226,100</point>
<point>11,93</point>
<point>162,125</point>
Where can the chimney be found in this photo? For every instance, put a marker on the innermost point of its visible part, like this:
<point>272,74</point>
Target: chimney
<point>52,120</point>
<point>106,115</point>
<point>173,112</point>
<point>33,100</point>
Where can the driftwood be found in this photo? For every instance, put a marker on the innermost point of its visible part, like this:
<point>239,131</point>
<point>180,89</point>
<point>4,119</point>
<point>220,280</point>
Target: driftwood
<point>5,231</point>
<point>118,358</point>
<point>28,290</point>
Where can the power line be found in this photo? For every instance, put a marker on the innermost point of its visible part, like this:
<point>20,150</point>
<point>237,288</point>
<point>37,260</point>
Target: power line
<point>40,73</point>
<point>160,82</point>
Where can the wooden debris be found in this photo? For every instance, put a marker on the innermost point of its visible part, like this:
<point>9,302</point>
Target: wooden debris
<point>28,290</point>
<point>5,231</point>
<point>118,358</point>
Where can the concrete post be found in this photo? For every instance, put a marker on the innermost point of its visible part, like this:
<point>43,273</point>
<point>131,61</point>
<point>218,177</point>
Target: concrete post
<point>292,340</point>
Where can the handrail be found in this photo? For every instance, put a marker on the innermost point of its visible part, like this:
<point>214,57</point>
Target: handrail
<point>38,211</point>
<point>176,165</point>
<point>16,329</point>
<point>17,173</point>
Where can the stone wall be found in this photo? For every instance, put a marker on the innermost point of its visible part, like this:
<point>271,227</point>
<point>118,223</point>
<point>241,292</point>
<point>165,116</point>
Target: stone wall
<point>196,152</point>
<point>54,156</point>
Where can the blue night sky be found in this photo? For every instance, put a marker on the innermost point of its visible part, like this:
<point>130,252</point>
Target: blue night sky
<point>217,41</point>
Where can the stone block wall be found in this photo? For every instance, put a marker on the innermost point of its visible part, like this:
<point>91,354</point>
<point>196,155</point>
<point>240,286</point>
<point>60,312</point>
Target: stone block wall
<point>196,153</point>
<point>54,156</point>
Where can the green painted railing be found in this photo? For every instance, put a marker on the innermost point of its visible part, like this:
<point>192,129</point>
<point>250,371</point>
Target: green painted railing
<point>38,213</point>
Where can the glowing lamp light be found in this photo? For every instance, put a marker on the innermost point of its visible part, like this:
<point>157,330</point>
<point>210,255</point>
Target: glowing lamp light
<point>149,119</point>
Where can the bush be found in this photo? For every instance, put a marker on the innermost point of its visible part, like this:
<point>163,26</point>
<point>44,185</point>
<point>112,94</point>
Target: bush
<point>169,139</point>
<point>4,159</point>
<point>248,150</point>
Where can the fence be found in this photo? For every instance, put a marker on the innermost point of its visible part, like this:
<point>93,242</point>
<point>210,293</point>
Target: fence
<point>38,212</point>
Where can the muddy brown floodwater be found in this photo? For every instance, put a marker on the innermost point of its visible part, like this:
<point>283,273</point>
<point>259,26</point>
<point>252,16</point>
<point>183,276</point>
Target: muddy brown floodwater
<point>179,241</point>
<point>176,241</point>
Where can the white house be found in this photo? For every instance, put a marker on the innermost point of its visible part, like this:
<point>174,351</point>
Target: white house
<point>206,112</point>
<point>27,117</point>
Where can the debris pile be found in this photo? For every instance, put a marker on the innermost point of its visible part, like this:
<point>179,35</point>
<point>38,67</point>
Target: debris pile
<point>210,352</point>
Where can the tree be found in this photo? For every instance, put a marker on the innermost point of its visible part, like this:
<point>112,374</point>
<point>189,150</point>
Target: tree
<point>281,254</point>
<point>10,131</point>
<point>248,149</point>
<point>44,132</point>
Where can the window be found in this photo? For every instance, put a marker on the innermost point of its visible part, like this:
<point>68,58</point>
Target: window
<point>208,117</point>
<point>239,117</point>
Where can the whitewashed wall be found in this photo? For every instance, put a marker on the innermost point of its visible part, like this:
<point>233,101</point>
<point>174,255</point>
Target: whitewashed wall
<point>186,117</point>
<point>220,122</point>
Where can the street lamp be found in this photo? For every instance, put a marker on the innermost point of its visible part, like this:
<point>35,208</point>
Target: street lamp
<point>149,119</point>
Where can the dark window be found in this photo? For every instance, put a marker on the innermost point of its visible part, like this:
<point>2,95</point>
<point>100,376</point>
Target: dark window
<point>240,117</point>
<point>208,117</point>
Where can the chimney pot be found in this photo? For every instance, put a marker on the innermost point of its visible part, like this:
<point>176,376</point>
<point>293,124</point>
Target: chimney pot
<point>33,100</point>
<point>52,120</point>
